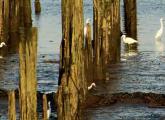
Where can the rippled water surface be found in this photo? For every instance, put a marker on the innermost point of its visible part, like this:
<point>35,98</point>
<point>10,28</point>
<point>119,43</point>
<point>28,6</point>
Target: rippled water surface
<point>126,112</point>
<point>142,71</point>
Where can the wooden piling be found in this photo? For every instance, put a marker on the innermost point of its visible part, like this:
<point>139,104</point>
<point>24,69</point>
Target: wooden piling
<point>14,16</point>
<point>37,6</point>
<point>44,113</point>
<point>72,89</point>
<point>106,34</point>
<point>28,82</point>
<point>1,20</point>
<point>88,50</point>
<point>130,18</point>
<point>11,105</point>
<point>25,13</point>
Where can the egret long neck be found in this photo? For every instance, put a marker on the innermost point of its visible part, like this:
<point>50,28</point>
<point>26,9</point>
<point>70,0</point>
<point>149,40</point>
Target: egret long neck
<point>124,39</point>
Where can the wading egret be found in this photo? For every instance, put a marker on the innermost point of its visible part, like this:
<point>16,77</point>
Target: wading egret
<point>160,31</point>
<point>159,46</point>
<point>85,28</point>
<point>48,110</point>
<point>128,40</point>
<point>2,44</point>
<point>91,86</point>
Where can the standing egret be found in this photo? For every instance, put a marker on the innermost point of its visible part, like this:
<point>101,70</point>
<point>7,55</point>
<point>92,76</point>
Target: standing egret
<point>85,28</point>
<point>48,110</point>
<point>91,86</point>
<point>159,46</point>
<point>160,31</point>
<point>128,40</point>
<point>2,44</point>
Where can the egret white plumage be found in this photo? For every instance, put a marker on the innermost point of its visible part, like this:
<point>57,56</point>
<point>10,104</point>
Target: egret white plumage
<point>91,86</point>
<point>159,46</point>
<point>48,110</point>
<point>85,28</point>
<point>160,31</point>
<point>128,40</point>
<point>2,44</point>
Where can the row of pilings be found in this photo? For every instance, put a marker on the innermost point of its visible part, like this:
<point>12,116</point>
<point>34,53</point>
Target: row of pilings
<point>82,64</point>
<point>14,14</point>
<point>16,27</point>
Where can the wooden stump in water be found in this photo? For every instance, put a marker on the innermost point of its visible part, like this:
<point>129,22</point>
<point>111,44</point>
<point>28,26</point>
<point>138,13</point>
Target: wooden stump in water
<point>130,18</point>
<point>28,82</point>
<point>4,20</point>
<point>106,34</point>
<point>11,105</point>
<point>37,6</point>
<point>72,89</point>
<point>88,50</point>
<point>44,113</point>
<point>25,13</point>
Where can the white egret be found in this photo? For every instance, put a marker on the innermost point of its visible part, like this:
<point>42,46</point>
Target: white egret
<point>160,31</point>
<point>128,40</point>
<point>85,28</point>
<point>2,44</point>
<point>91,86</point>
<point>48,110</point>
<point>159,46</point>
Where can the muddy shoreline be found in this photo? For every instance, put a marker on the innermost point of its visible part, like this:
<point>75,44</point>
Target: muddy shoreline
<point>150,99</point>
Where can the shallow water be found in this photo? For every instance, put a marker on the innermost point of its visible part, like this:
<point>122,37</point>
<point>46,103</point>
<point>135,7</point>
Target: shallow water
<point>126,112</point>
<point>142,71</point>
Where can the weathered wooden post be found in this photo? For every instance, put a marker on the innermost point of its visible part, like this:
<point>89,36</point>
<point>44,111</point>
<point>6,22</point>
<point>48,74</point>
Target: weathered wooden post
<point>106,33</point>
<point>130,18</point>
<point>14,16</point>
<point>37,6</point>
<point>11,105</point>
<point>44,107</point>
<point>25,13</point>
<point>5,20</point>
<point>1,20</point>
<point>72,89</point>
<point>28,82</point>
<point>88,55</point>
